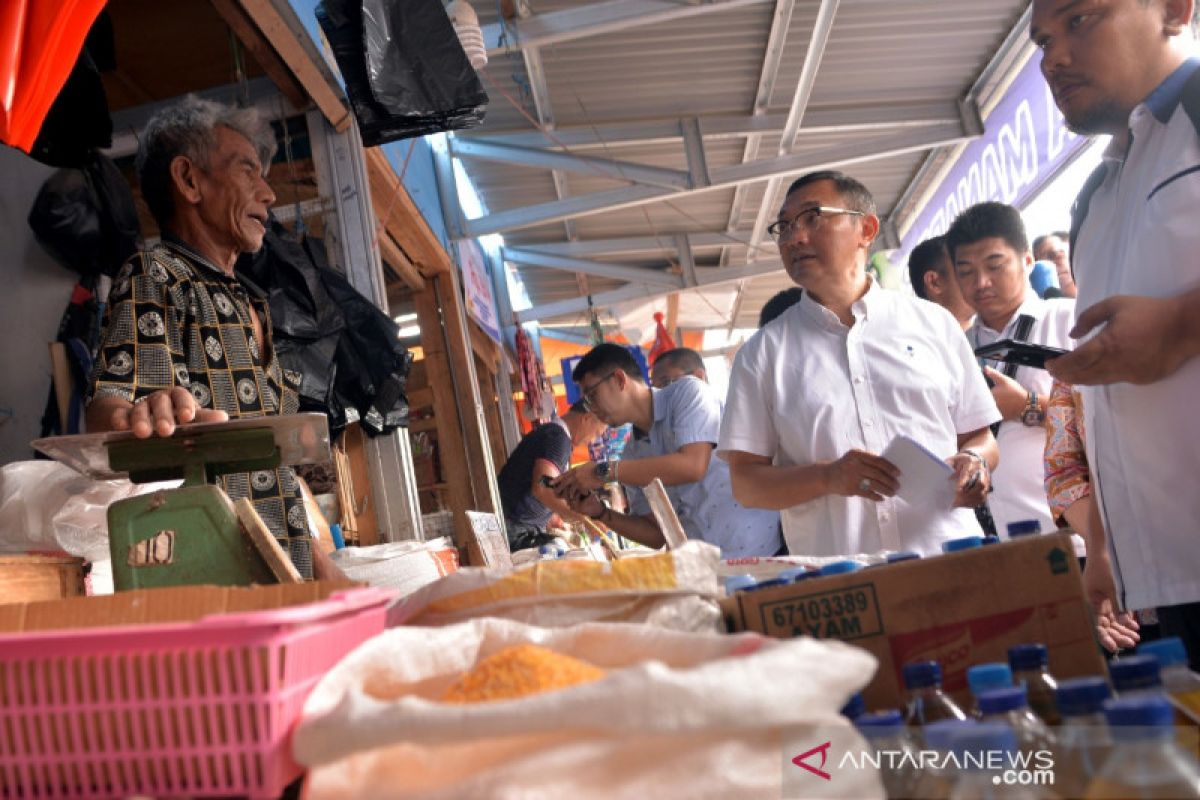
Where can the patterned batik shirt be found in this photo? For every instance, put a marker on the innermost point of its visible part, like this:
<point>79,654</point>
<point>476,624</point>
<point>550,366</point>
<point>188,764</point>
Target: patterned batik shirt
<point>175,319</point>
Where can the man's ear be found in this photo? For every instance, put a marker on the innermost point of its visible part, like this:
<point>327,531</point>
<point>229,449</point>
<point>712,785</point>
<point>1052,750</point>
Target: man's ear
<point>185,178</point>
<point>870,228</point>
<point>932,283</point>
<point>1177,16</point>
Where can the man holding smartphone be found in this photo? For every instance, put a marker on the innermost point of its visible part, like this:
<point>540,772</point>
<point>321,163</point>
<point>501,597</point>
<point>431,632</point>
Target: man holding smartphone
<point>991,258</point>
<point>1129,68</point>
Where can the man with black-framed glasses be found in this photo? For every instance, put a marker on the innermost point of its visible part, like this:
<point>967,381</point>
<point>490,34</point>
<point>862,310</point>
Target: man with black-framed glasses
<point>818,394</point>
<point>674,432</point>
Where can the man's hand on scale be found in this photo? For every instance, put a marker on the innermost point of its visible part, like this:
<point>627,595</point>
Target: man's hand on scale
<point>160,412</point>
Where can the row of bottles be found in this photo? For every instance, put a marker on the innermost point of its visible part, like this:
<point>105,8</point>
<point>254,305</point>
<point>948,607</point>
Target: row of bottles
<point>1097,745</point>
<point>743,583</point>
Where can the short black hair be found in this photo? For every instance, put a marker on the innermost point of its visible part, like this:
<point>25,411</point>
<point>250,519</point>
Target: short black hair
<point>985,220</point>
<point>607,357</point>
<point>929,256</point>
<point>857,196</point>
<point>1041,240</point>
<point>685,358</point>
<point>778,304</point>
<point>578,407</point>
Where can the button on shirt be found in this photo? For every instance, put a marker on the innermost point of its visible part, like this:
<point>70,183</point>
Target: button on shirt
<point>686,412</point>
<point>1141,237</point>
<point>1018,483</point>
<point>807,389</point>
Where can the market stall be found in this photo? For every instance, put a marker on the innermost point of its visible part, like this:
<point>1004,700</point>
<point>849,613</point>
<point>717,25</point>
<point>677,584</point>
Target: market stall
<point>196,660</point>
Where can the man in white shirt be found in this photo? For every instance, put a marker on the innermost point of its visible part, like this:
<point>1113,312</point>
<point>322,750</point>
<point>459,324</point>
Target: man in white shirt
<point>1127,68</point>
<point>818,394</point>
<point>991,258</point>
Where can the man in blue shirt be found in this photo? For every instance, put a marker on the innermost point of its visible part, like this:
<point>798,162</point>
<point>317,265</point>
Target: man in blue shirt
<point>675,431</point>
<point>544,452</point>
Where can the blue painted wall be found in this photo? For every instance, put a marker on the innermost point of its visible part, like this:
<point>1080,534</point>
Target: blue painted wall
<point>419,177</point>
<point>420,181</point>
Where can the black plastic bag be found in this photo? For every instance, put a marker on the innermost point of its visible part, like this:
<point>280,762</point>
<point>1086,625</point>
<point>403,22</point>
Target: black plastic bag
<point>406,73</point>
<point>347,350</point>
<point>86,219</point>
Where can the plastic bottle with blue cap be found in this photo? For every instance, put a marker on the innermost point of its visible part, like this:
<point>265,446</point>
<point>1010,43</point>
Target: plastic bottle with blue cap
<point>796,574</point>
<point>1030,665</point>
<point>984,677</point>
<point>1011,707</point>
<point>977,749</point>
<point>903,555</point>
<point>737,583</point>
<point>855,707</point>
<point>885,732</point>
<point>840,567</point>
<point>1025,527</point>
<point>1146,760</point>
<point>768,584</point>
<point>962,543</point>
<point>937,778</point>
<point>1136,675</point>
<point>1084,742</point>
<point>1178,681</point>
<point>926,702</point>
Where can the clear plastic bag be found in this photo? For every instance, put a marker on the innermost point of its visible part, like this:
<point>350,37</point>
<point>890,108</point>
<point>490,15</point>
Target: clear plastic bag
<point>47,506</point>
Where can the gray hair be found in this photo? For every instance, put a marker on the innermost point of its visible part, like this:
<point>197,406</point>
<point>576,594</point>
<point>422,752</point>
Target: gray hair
<point>187,128</point>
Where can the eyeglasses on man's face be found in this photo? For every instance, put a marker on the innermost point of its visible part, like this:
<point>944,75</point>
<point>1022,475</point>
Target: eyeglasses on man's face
<point>808,220</point>
<point>588,395</point>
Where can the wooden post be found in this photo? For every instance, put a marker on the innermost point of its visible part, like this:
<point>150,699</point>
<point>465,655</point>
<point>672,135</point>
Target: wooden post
<point>462,363</point>
<point>452,450</point>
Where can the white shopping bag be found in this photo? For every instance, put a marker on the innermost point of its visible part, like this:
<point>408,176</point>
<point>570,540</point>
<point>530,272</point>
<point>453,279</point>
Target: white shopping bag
<point>678,714</point>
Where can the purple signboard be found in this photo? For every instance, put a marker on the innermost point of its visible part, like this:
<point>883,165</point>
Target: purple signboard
<point>1024,144</point>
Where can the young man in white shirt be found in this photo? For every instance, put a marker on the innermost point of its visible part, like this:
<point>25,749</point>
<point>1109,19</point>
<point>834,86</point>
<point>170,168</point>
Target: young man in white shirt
<point>990,253</point>
<point>1125,67</point>
<point>818,394</point>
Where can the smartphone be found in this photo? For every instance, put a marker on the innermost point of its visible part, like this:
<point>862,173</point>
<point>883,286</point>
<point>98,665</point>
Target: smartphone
<point>1023,353</point>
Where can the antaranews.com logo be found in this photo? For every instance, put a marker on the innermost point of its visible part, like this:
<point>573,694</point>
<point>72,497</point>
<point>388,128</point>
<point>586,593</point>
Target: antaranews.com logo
<point>825,762</point>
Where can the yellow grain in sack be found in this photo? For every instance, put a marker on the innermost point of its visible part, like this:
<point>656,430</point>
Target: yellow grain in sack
<point>518,671</point>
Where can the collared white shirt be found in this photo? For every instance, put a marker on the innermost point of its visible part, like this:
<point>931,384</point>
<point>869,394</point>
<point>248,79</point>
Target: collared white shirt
<point>1018,483</point>
<point>685,412</point>
<point>807,389</point>
<point>1142,237</point>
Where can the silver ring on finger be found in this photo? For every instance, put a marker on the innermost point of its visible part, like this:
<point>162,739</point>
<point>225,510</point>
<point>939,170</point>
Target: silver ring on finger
<point>864,485</point>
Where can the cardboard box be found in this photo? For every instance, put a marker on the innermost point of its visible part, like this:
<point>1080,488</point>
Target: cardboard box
<point>147,606</point>
<point>959,609</point>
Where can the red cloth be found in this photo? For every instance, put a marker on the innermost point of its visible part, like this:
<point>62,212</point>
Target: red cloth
<point>662,339</point>
<point>40,40</point>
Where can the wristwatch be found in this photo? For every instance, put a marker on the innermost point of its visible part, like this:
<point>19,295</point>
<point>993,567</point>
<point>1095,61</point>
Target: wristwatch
<point>1033,414</point>
<point>602,468</point>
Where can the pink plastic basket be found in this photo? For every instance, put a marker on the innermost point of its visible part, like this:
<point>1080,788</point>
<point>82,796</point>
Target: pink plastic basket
<point>182,709</point>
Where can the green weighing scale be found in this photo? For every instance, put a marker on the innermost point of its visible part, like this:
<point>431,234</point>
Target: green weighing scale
<point>191,534</point>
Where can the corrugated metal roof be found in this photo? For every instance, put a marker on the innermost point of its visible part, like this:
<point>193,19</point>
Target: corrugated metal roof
<point>880,56</point>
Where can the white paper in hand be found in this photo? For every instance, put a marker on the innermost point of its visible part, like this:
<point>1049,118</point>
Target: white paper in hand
<point>925,478</point>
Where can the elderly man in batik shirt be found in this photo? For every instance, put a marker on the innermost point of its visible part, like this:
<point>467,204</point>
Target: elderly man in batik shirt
<point>185,339</point>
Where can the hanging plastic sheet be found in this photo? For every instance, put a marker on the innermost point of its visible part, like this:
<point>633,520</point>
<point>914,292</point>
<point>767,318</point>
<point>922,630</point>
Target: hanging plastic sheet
<point>406,73</point>
<point>348,352</point>
<point>40,41</point>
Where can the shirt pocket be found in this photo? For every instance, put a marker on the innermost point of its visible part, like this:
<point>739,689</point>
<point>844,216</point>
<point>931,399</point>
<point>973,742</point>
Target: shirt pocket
<point>921,377</point>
